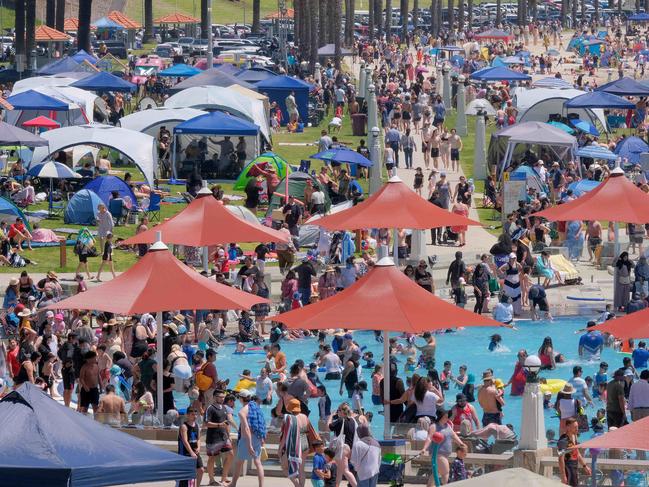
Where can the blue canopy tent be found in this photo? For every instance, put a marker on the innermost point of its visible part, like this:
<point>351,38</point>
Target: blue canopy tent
<point>499,73</point>
<point>498,61</point>
<point>82,56</point>
<point>585,126</point>
<point>103,186</point>
<point>277,88</point>
<point>255,75</point>
<point>347,156</point>
<point>46,443</point>
<point>630,149</point>
<point>625,87</point>
<point>82,208</point>
<point>514,60</point>
<point>592,46</point>
<point>598,99</point>
<point>103,81</point>
<point>639,17</point>
<point>227,68</point>
<point>33,100</point>
<point>582,186</point>
<point>64,65</point>
<point>180,71</point>
<point>596,152</point>
<point>212,124</point>
<point>105,23</point>
<point>9,212</point>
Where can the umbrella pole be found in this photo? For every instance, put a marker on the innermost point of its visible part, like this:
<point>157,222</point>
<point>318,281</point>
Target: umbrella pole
<point>50,198</point>
<point>159,367</point>
<point>395,248</point>
<point>206,259</point>
<point>593,468</point>
<point>386,385</point>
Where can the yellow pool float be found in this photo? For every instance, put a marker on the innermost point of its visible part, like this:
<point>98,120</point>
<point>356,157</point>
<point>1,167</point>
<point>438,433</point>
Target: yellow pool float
<point>552,385</point>
<point>244,384</point>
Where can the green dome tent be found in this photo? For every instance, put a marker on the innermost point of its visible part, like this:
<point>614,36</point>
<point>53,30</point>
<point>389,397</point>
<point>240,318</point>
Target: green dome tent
<point>296,184</point>
<point>267,158</point>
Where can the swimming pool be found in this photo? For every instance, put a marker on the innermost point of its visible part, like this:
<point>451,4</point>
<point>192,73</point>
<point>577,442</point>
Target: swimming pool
<point>467,346</point>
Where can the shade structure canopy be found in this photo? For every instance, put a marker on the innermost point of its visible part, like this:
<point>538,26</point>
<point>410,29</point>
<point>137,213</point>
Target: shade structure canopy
<point>211,77</point>
<point>625,87</point>
<point>54,170</point>
<point>537,133</point>
<point>499,73</point>
<point>159,282</point>
<point>180,70</point>
<point>33,100</point>
<point>42,122</point>
<point>384,299</point>
<point>217,123</point>
<point>395,205</point>
<point>82,56</point>
<point>44,33</point>
<point>103,81</point>
<point>205,221</point>
<point>12,135</point>
<point>149,121</point>
<point>630,149</point>
<point>598,99</point>
<point>479,105</point>
<point>63,65</point>
<point>634,325</point>
<point>123,20</point>
<point>639,17</point>
<point>632,436</point>
<point>615,200</point>
<point>552,82</point>
<point>176,18</point>
<point>342,155</point>
<point>46,443</point>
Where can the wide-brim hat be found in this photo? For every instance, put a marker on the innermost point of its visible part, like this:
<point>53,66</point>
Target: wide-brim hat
<point>568,389</point>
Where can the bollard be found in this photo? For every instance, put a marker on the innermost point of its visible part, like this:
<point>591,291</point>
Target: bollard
<point>63,256</point>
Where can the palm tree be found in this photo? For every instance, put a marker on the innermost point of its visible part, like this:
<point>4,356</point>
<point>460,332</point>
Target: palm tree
<point>349,23</point>
<point>19,25</point>
<point>403,18</point>
<point>564,12</point>
<point>460,15</point>
<point>451,14</point>
<point>205,20</point>
<point>314,8</point>
<point>370,14</point>
<point>596,7</point>
<point>30,30</point>
<point>415,14</point>
<point>499,12</point>
<point>83,35</point>
<point>334,27</point>
<point>378,16</point>
<point>60,15</point>
<point>469,12</point>
<point>256,14</point>
<point>323,31</point>
<point>337,22</point>
<point>438,16</point>
<point>619,8</point>
<point>50,13</point>
<point>574,5</point>
<point>148,20</point>
<point>388,19</point>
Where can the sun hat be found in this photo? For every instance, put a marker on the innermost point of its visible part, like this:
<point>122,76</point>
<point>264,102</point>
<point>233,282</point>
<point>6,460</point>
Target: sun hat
<point>49,314</point>
<point>330,268</point>
<point>568,389</point>
<point>339,332</point>
<point>247,393</point>
<point>294,406</point>
<point>24,313</point>
<point>180,318</point>
<point>14,281</point>
<point>487,376</point>
<point>172,326</point>
<point>52,275</point>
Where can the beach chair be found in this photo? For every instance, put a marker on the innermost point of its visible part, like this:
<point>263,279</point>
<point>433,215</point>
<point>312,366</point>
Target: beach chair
<point>152,212</point>
<point>116,209</point>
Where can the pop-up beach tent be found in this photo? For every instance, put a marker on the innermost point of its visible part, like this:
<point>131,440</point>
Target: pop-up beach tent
<point>103,186</point>
<point>9,212</point>
<point>82,208</point>
<point>263,161</point>
<point>630,149</point>
<point>277,88</point>
<point>46,443</point>
<point>211,77</point>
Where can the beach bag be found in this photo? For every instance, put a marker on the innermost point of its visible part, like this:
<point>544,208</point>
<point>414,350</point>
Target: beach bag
<point>202,381</point>
<point>338,443</point>
<point>494,286</point>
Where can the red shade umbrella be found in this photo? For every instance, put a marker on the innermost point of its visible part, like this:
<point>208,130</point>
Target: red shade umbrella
<point>395,205</point>
<point>634,325</point>
<point>615,200</point>
<point>206,221</point>
<point>42,122</point>
<point>384,299</point>
<point>159,282</point>
<point>632,436</point>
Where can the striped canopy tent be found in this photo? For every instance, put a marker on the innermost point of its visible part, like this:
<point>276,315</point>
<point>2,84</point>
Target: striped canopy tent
<point>123,20</point>
<point>176,18</point>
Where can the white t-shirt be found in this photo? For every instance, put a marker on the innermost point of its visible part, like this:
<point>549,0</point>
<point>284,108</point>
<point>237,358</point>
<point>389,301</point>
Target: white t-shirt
<point>428,407</point>
<point>580,386</point>
<point>263,387</point>
<point>331,362</point>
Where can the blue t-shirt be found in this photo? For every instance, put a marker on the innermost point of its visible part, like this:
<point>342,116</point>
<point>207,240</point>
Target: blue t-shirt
<point>592,343</point>
<point>318,464</point>
<point>640,356</point>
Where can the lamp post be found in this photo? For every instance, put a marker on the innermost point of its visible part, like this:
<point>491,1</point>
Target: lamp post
<point>368,82</point>
<point>439,83</point>
<point>460,123</point>
<point>375,157</point>
<point>361,82</point>
<point>446,87</point>
<point>372,109</point>
<point>479,160</point>
<point>210,40</point>
<point>533,422</point>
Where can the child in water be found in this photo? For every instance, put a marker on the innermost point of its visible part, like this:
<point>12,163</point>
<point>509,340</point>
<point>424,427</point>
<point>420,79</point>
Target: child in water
<point>368,357</point>
<point>494,344</point>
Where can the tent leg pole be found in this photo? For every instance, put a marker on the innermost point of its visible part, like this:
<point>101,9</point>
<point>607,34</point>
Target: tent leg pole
<point>206,258</point>
<point>395,246</point>
<point>616,247</point>
<point>159,361</point>
<point>386,385</point>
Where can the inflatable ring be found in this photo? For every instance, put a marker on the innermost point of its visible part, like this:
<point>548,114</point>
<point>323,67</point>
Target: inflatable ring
<point>244,384</point>
<point>552,385</point>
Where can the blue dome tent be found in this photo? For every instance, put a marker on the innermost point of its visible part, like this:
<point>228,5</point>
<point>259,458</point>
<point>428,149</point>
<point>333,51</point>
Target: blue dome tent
<point>630,149</point>
<point>82,208</point>
<point>255,75</point>
<point>103,186</point>
<point>277,88</point>
<point>9,212</point>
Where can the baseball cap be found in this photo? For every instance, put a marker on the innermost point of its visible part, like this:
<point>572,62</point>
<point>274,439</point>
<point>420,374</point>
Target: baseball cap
<point>244,393</point>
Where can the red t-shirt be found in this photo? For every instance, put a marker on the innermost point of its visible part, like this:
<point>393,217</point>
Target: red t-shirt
<point>15,228</point>
<point>12,360</point>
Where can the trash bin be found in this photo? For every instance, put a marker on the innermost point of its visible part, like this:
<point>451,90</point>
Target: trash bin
<point>358,124</point>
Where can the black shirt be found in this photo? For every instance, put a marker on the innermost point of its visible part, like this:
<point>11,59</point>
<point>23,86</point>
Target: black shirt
<point>261,250</point>
<point>305,272</point>
<point>347,425</point>
<point>292,213</point>
<point>216,414</point>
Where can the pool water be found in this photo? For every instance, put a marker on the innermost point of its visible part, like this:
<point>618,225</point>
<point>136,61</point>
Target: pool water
<point>468,346</point>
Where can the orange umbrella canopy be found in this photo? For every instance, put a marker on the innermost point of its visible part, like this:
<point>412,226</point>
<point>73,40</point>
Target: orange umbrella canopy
<point>177,18</point>
<point>159,282</point>
<point>632,436</point>
<point>634,325</point>
<point>384,299</point>
<point>205,221</point>
<point>395,205</point>
<point>47,34</point>
<point>615,200</point>
<point>123,20</point>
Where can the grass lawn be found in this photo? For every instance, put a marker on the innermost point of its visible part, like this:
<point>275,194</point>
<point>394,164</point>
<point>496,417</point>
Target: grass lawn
<point>48,258</point>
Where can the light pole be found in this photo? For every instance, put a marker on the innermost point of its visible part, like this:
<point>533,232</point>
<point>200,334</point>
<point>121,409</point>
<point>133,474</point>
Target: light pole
<point>375,157</point>
<point>460,124</point>
<point>446,88</point>
<point>361,82</point>
<point>479,160</point>
<point>533,422</point>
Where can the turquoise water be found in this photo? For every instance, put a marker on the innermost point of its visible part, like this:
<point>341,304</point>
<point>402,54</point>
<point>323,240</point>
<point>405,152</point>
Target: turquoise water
<point>467,346</point>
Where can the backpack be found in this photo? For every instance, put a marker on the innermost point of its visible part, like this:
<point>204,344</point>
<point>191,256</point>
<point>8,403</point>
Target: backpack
<point>203,382</point>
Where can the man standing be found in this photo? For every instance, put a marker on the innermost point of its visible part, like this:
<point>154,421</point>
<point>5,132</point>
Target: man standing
<point>456,270</point>
<point>640,356</point>
<point>89,383</point>
<point>69,354</point>
<point>325,141</point>
<point>305,273</point>
<point>285,251</point>
<point>569,455</point>
<point>252,432</point>
<point>591,344</point>
<point>615,405</point>
<point>189,444</point>
<point>331,362</point>
<point>217,421</point>
<point>428,351</point>
<point>291,107</point>
<point>490,400</point>
<point>639,397</point>
<point>299,388</point>
<point>392,139</point>
<point>581,389</point>
<point>292,213</point>
<point>112,407</point>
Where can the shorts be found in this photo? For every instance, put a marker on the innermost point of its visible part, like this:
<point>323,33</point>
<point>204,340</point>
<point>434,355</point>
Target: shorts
<point>636,239</point>
<point>488,418</point>
<point>541,303</point>
<point>218,448</point>
<point>317,482</point>
<point>332,376</point>
<point>68,379</point>
<point>424,147</point>
<point>594,242</point>
<point>83,259</point>
<point>242,449</point>
<point>377,400</point>
<point>434,151</point>
<point>455,154</point>
<point>615,418</point>
<point>87,398</point>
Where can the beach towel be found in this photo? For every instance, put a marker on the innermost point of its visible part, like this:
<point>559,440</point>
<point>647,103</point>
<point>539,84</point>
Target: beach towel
<point>292,445</point>
<point>256,420</point>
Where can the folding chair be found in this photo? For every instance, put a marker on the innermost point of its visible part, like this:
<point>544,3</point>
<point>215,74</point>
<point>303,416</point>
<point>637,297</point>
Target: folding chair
<point>153,210</point>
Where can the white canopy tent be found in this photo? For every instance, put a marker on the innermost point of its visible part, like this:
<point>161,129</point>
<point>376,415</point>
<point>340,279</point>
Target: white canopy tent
<point>63,79</point>
<point>536,105</point>
<point>149,121</point>
<point>224,99</point>
<point>539,134</point>
<point>141,148</point>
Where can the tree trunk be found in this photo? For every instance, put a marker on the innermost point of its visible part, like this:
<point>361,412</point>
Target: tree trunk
<point>469,13</point>
<point>564,12</point>
<point>582,5</point>
<point>349,25</point>
<point>148,20</point>
<point>304,25</point>
<point>206,22</point>
<point>83,35</point>
<point>19,26</point>
<point>388,19</point>
<point>30,31</point>
<point>499,14</point>
<point>415,14</point>
<point>314,9</point>
<point>451,14</point>
<point>296,21</point>
<point>50,13</point>
<point>403,17</point>
<point>619,8</point>
<point>331,21</point>
<point>460,15</point>
<point>323,31</point>
<point>370,22</point>
<point>534,10</point>
<point>337,21</point>
<point>596,7</point>
<point>256,14</point>
<point>60,15</point>
<point>378,16</point>
<point>575,10</point>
